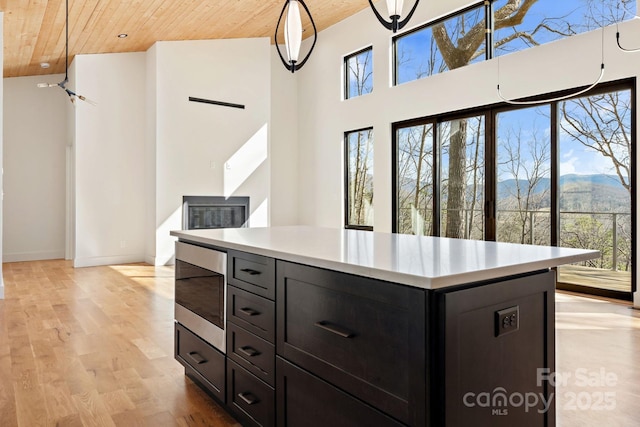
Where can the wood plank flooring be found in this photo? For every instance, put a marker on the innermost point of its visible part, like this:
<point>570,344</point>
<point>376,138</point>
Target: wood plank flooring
<point>94,347</point>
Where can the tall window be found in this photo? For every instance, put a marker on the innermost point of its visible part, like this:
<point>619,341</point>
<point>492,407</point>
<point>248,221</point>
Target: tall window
<point>595,193</point>
<point>462,39</point>
<point>462,177</point>
<point>359,73</point>
<point>359,179</point>
<point>415,179</point>
<point>523,193</point>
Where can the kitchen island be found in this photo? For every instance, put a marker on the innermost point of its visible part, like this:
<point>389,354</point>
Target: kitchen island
<point>345,327</point>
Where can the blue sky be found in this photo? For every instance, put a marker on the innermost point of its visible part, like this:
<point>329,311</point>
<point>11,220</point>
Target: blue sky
<point>417,46</point>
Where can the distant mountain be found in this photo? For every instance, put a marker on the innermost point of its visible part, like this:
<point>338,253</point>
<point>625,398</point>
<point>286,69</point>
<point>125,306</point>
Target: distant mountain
<point>598,192</point>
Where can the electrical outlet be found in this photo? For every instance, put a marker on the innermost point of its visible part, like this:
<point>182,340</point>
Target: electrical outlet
<point>507,320</point>
<point>123,244</point>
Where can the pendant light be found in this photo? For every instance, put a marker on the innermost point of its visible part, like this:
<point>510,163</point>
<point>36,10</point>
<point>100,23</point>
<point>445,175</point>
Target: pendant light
<point>63,84</point>
<point>394,9</point>
<point>293,34</point>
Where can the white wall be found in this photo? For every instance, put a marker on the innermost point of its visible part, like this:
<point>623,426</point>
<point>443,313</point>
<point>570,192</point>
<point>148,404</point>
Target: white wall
<point>109,160</point>
<point>150,155</point>
<point>283,144</point>
<point>205,149</point>
<point>34,169</point>
<point>324,116</point>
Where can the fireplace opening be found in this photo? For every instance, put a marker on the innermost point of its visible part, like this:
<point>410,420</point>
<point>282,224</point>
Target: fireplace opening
<point>203,212</point>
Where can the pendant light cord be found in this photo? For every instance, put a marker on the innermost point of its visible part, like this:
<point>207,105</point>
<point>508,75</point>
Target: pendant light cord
<point>66,37</point>
<point>563,97</point>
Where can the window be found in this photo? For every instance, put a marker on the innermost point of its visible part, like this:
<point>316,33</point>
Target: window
<point>359,73</point>
<point>549,20</point>
<point>559,173</point>
<point>462,39</point>
<point>359,179</point>
<point>462,178</point>
<point>595,189</point>
<point>415,179</point>
<point>523,173</point>
<point>419,54</point>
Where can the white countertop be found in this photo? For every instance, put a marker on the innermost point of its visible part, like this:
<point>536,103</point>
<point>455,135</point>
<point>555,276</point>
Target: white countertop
<point>425,262</point>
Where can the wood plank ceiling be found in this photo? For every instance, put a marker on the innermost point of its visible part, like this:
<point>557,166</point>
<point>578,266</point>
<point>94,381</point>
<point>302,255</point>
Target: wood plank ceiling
<point>34,30</point>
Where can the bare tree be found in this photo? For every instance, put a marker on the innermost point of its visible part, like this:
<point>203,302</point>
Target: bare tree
<point>360,180</point>
<point>602,123</point>
<point>360,72</point>
<point>525,160</point>
<point>415,179</point>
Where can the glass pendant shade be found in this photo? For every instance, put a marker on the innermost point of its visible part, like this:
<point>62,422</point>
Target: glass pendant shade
<point>394,7</point>
<point>293,31</point>
<point>293,34</point>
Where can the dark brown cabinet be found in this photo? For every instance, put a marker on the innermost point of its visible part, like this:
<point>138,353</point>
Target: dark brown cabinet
<point>251,352</point>
<point>253,273</point>
<point>308,346</point>
<point>251,338</point>
<point>202,362</point>
<point>495,339</point>
<point>251,399</point>
<point>254,313</point>
<point>365,336</point>
<point>305,400</point>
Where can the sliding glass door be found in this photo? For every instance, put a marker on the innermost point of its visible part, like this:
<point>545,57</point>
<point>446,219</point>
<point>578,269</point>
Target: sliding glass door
<point>556,173</point>
<point>595,188</point>
<point>462,177</point>
<point>523,171</point>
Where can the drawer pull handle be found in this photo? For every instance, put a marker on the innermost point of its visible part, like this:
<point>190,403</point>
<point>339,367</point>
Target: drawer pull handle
<point>334,329</point>
<point>248,398</point>
<point>248,351</point>
<point>197,358</point>
<point>250,271</point>
<point>249,311</point>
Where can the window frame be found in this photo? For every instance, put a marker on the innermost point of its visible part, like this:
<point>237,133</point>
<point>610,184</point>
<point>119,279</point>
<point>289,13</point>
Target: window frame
<point>345,74</point>
<point>490,111</point>
<point>347,176</point>
<point>475,5</point>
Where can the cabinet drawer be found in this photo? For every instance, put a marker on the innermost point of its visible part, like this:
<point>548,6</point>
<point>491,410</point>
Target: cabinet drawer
<point>366,336</point>
<point>254,313</point>
<point>305,400</point>
<point>251,352</point>
<point>253,273</point>
<point>199,357</point>
<point>251,399</point>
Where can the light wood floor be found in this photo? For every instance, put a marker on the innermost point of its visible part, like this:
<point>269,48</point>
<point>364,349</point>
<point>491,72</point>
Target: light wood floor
<point>94,347</point>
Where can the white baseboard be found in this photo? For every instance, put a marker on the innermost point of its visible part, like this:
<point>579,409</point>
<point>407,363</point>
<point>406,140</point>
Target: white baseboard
<point>32,256</point>
<point>107,260</point>
<point>1,291</point>
<point>159,261</point>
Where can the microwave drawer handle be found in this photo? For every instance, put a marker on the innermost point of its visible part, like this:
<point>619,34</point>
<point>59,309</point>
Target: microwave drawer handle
<point>248,351</point>
<point>248,398</point>
<point>335,329</point>
<point>195,356</point>
<point>248,311</point>
<point>250,271</point>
